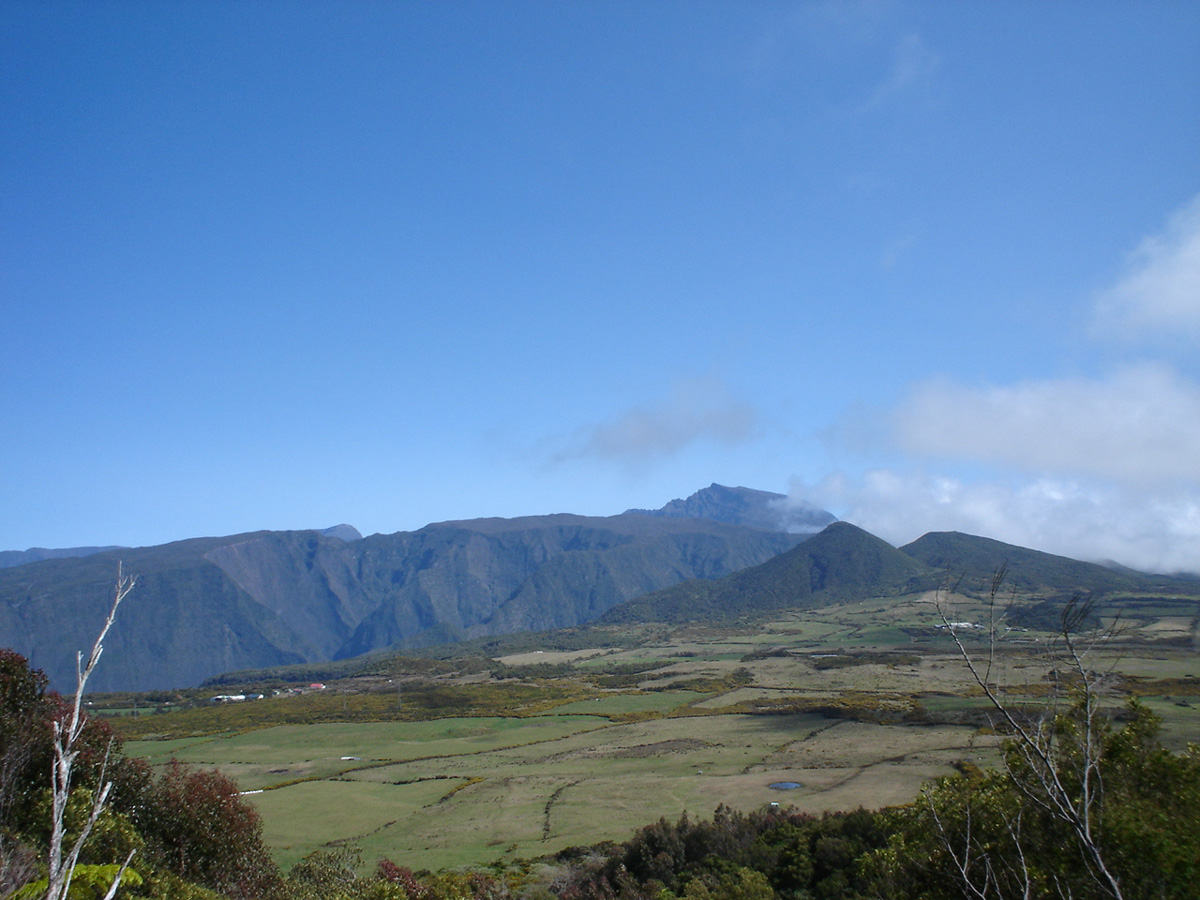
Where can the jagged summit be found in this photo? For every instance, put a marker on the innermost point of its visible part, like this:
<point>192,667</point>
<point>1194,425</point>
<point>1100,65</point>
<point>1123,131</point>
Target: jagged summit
<point>745,506</point>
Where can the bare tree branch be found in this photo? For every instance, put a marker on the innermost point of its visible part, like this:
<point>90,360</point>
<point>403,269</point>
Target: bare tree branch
<point>66,736</point>
<point>1065,785</point>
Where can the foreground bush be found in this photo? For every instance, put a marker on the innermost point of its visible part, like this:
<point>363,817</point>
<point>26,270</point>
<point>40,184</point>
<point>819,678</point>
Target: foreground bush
<point>192,833</point>
<point>998,834</point>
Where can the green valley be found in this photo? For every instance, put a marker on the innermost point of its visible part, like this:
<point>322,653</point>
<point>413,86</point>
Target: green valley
<point>859,703</point>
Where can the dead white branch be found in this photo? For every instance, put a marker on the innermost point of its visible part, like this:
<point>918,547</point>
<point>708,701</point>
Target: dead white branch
<point>66,738</point>
<point>1038,740</point>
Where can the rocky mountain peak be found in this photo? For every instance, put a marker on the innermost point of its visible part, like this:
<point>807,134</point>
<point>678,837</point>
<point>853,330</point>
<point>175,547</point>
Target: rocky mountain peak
<point>745,506</point>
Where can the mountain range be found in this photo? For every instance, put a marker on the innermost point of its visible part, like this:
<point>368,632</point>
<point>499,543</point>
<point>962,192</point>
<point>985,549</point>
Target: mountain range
<point>210,605</point>
<point>844,562</point>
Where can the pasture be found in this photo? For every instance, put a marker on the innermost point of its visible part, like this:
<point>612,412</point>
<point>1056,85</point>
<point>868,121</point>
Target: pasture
<point>860,704</point>
<point>471,791</point>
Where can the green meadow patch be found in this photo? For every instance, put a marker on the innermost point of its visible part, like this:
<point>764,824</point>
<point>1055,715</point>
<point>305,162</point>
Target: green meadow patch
<point>602,784</point>
<point>452,803</point>
<point>623,704</point>
<point>273,756</point>
<point>304,817</point>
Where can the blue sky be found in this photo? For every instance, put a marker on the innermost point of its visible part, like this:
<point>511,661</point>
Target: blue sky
<point>282,265</point>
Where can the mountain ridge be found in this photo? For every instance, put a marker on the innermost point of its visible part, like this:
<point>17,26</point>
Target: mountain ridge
<point>844,562</point>
<point>10,558</point>
<point>975,558</point>
<point>203,606</point>
<point>839,561</point>
<point>207,605</point>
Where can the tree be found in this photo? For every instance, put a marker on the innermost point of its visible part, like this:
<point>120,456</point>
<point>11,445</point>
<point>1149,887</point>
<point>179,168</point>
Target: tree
<point>68,730</point>
<point>24,757</point>
<point>327,873</point>
<point>201,828</point>
<point>1081,809</point>
<point>100,807</point>
<point>1053,757</point>
<point>986,835</point>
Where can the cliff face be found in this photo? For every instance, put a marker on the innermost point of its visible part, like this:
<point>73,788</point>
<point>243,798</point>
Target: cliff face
<point>211,605</point>
<point>304,579</point>
<point>184,619</point>
<point>464,579</point>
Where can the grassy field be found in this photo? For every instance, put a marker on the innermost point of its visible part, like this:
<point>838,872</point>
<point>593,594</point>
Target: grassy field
<point>562,781</point>
<point>859,704</point>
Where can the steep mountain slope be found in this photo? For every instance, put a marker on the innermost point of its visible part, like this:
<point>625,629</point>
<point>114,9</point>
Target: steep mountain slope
<point>263,599</point>
<point>184,620</point>
<point>841,562</point>
<point>844,562</point>
<point>492,576</point>
<point>210,605</point>
<point>975,559</point>
<point>745,506</point>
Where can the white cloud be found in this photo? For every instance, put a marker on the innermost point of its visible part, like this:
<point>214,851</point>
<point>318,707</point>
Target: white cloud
<point>697,410</point>
<point>1160,294</point>
<point>1140,425</point>
<point>1093,468</point>
<point>1157,532</point>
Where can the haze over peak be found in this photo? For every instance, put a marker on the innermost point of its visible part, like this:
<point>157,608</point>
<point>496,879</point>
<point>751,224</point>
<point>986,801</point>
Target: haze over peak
<point>745,506</point>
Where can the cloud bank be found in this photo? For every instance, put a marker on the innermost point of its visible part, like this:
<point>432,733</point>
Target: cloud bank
<point>1140,425</point>
<point>1156,532</point>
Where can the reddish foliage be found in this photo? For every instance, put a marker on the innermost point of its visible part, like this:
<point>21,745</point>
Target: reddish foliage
<point>24,739</point>
<point>403,876</point>
<point>206,833</point>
